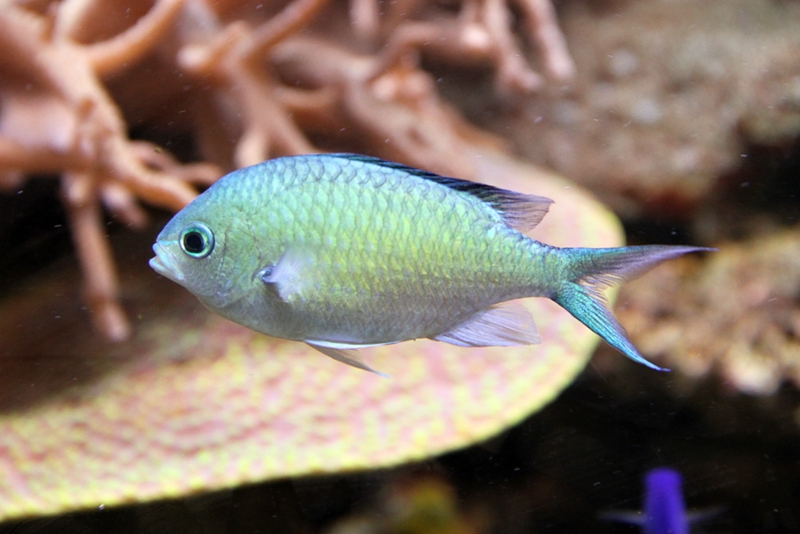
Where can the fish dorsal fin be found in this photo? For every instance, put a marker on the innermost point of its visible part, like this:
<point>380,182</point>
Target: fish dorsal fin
<point>499,326</point>
<point>520,211</point>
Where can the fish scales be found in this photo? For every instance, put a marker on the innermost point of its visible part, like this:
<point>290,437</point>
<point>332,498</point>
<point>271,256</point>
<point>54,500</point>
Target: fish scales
<point>393,260</point>
<point>344,251</point>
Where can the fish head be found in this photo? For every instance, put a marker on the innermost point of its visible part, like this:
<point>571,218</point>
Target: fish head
<point>198,250</point>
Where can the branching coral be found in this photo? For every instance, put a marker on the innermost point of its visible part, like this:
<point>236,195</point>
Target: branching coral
<point>249,85</point>
<point>481,32</point>
<point>57,117</point>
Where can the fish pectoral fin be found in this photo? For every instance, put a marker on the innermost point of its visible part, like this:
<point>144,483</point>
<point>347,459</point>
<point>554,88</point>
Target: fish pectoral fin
<point>345,354</point>
<point>499,326</point>
<point>624,516</point>
<point>288,276</point>
<point>701,516</point>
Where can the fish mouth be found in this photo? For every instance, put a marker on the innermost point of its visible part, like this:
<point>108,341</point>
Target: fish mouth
<point>164,264</point>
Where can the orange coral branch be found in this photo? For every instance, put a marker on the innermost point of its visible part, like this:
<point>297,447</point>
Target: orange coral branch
<point>396,105</point>
<point>14,155</point>
<point>365,18</point>
<point>540,19</point>
<point>89,144</point>
<point>513,72</point>
<point>94,253</point>
<point>109,57</point>
<point>482,32</point>
<point>293,17</point>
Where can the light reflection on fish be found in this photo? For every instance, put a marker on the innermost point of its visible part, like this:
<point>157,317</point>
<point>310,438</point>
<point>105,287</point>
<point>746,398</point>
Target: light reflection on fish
<point>344,251</point>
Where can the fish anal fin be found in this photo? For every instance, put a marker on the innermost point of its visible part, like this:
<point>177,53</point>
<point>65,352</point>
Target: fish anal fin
<point>289,276</point>
<point>498,326</point>
<point>348,356</point>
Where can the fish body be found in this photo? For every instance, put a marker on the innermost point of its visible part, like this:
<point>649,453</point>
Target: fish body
<point>664,510</point>
<point>664,507</point>
<point>345,251</point>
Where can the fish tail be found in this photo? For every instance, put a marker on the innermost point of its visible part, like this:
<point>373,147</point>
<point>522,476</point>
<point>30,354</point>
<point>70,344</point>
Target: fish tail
<point>591,270</point>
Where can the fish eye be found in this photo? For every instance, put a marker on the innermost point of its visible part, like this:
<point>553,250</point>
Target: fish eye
<point>197,240</point>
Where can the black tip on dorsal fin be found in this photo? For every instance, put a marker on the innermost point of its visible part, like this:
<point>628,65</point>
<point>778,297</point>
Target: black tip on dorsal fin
<point>520,211</point>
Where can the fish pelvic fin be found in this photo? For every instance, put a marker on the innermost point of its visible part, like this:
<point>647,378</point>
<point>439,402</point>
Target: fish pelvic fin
<point>590,271</point>
<point>498,326</point>
<point>349,356</point>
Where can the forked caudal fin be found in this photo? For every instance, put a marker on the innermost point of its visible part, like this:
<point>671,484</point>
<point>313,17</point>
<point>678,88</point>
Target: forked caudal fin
<point>590,270</point>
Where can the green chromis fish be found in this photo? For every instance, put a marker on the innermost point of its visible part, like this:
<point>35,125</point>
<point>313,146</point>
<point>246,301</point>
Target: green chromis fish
<point>344,251</point>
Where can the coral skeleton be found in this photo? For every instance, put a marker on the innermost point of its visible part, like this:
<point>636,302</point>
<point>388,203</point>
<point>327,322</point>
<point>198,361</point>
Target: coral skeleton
<point>58,118</point>
<point>247,82</point>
